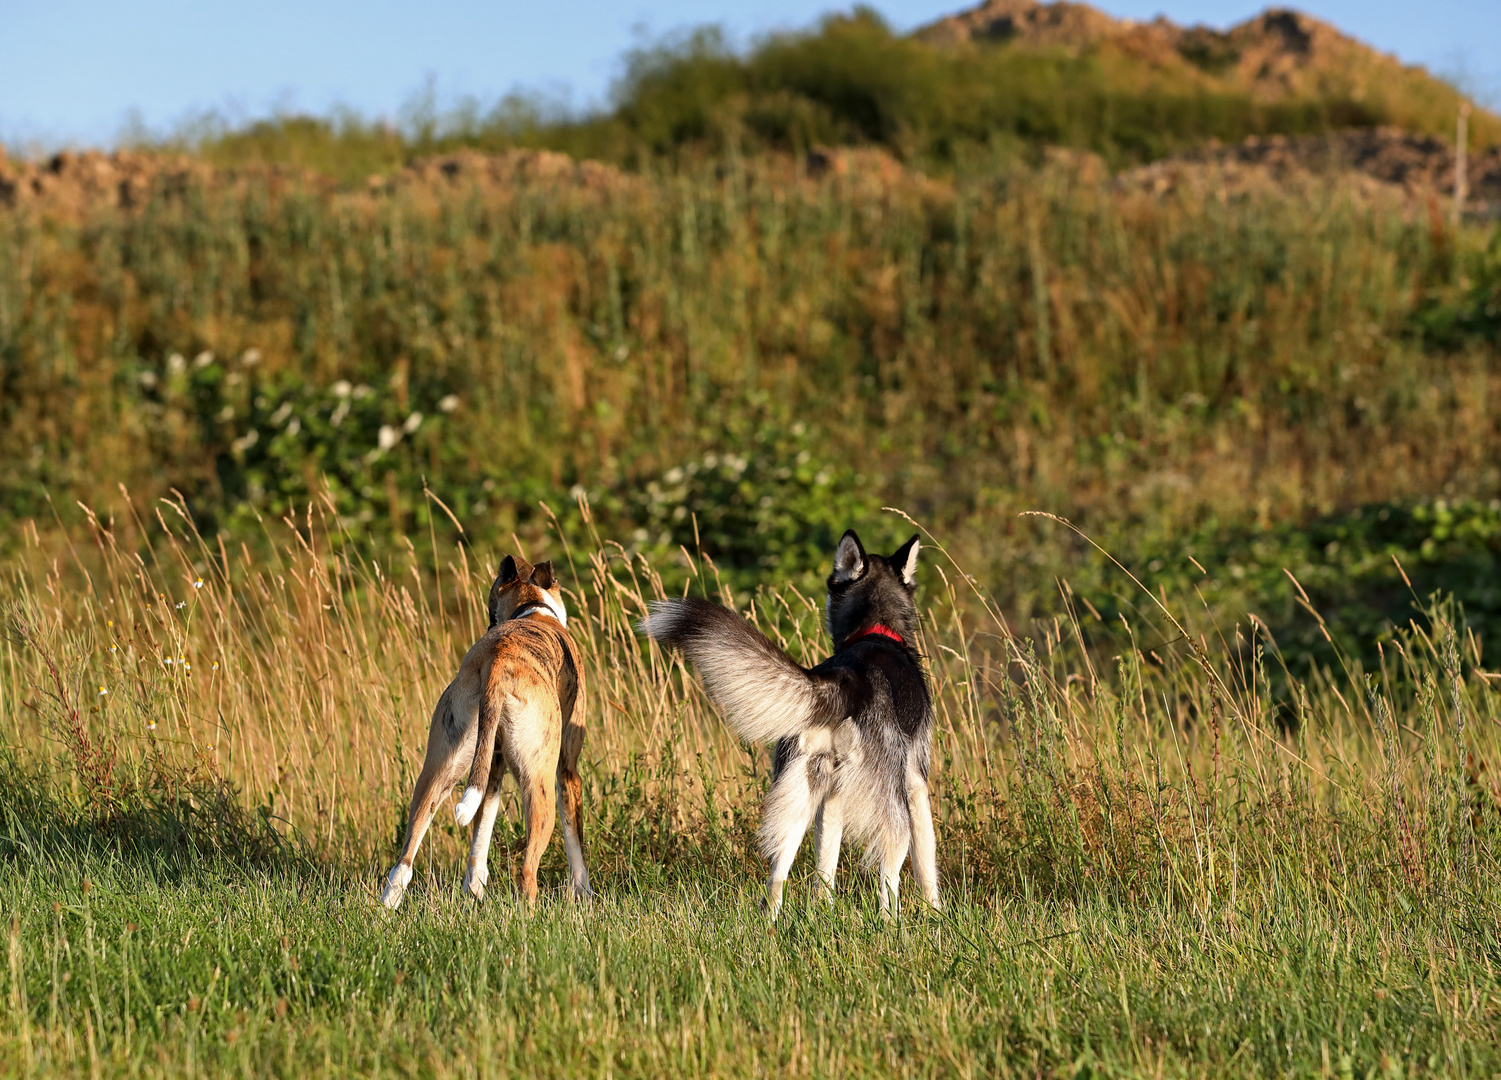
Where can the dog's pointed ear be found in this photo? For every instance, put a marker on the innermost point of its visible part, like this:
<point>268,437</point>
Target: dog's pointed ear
<point>849,559</point>
<point>542,575</point>
<point>507,574</point>
<point>904,561</point>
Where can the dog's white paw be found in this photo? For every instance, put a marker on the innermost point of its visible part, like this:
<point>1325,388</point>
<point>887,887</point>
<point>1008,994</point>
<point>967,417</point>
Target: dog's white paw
<point>468,805</point>
<point>476,880</point>
<point>396,886</point>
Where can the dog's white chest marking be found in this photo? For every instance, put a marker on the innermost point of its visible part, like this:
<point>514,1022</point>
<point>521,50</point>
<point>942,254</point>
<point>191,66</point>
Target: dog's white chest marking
<point>546,606</point>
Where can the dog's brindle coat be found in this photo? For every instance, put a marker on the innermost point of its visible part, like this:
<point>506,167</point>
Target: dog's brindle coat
<point>853,734</point>
<point>513,706</point>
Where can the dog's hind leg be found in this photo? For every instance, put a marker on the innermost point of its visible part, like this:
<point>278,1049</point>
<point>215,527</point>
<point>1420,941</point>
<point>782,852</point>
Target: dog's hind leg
<point>478,874</point>
<point>449,744</point>
<point>828,830</point>
<point>789,808</point>
<point>532,749</point>
<point>893,854</point>
<point>924,844</point>
<point>537,802</point>
<point>571,810</point>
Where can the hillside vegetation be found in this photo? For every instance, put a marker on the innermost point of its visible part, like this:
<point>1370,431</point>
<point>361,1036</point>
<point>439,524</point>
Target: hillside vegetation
<point>1008,77</point>
<point>746,359</point>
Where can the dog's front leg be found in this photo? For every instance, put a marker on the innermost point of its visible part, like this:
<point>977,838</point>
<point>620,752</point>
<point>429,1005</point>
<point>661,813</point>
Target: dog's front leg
<point>478,874</point>
<point>828,830</point>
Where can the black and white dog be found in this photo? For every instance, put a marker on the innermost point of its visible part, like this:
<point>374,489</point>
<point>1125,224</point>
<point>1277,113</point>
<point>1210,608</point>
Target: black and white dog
<point>853,734</point>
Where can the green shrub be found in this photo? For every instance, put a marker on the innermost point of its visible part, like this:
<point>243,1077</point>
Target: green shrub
<point>1363,576</point>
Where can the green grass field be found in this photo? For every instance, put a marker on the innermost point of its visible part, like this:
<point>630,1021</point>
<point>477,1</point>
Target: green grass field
<point>1151,866</point>
<point>227,972</point>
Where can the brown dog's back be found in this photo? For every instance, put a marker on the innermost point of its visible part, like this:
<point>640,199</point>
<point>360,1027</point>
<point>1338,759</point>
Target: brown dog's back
<point>513,707</point>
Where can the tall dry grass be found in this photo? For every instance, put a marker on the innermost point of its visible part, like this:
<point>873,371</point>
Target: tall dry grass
<point>1170,773</point>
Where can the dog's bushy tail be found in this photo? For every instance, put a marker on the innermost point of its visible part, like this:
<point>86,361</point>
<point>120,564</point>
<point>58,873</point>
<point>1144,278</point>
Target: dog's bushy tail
<point>763,694</point>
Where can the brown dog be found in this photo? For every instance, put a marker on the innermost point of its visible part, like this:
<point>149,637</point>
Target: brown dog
<point>514,705</point>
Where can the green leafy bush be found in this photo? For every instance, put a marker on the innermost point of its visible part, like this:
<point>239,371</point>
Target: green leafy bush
<point>1367,574</point>
<point>771,508</point>
<point>1476,313</point>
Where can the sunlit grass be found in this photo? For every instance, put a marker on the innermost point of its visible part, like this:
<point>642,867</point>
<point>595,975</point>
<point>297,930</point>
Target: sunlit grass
<point>1150,862</point>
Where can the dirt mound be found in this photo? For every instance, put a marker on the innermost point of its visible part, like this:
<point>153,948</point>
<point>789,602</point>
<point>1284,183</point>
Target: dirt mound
<point>70,186</point>
<point>1061,25</point>
<point>513,168</point>
<point>1279,54</point>
<point>1416,167</point>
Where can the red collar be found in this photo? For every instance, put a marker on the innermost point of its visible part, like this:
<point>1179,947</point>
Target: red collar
<point>870,631</point>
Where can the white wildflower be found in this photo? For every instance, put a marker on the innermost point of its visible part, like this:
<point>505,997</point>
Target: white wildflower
<point>148,379</point>
<point>250,357</point>
<point>413,422</point>
<point>283,411</point>
<point>198,584</point>
<point>203,359</point>
<point>245,441</point>
<point>176,365</point>
<point>387,437</point>
<point>341,388</point>
<point>103,691</point>
<point>448,403</point>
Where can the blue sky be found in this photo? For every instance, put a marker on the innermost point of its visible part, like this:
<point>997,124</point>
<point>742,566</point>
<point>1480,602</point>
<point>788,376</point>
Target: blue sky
<point>72,71</point>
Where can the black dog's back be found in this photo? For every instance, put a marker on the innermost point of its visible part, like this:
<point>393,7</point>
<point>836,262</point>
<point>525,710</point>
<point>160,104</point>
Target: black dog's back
<point>853,734</point>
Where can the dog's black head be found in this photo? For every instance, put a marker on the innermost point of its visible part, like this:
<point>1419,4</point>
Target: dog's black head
<point>872,591</point>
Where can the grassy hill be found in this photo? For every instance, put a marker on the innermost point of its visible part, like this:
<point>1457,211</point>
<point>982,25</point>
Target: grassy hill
<point>1009,76</point>
<point>1279,56</point>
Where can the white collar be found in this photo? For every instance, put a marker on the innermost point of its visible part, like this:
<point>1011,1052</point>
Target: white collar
<point>547,606</point>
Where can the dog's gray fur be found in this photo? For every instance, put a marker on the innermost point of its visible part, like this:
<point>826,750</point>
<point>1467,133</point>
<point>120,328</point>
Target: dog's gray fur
<point>853,734</point>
